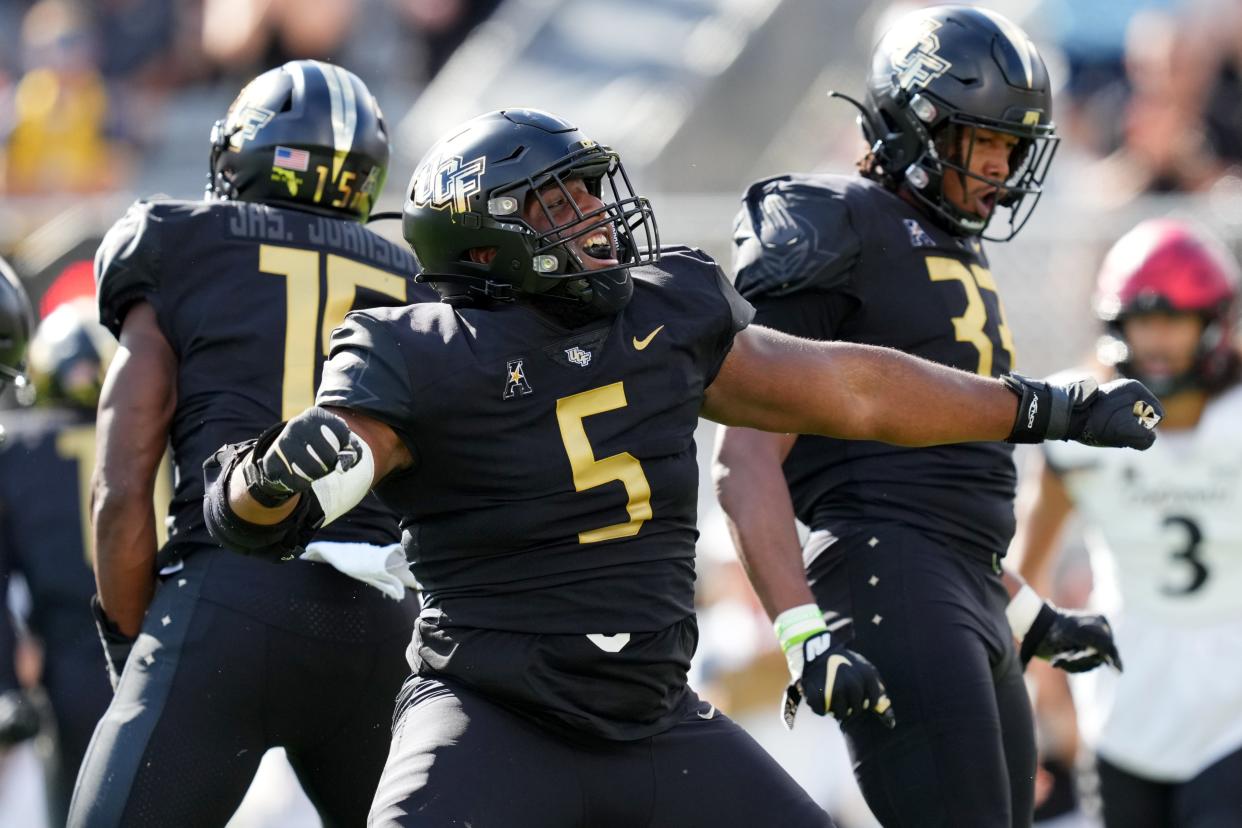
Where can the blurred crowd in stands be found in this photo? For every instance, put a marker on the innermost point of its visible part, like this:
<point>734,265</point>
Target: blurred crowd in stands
<point>80,82</point>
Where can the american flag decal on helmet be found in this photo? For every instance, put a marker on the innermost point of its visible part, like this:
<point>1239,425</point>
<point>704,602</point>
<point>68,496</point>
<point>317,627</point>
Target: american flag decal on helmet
<point>291,159</point>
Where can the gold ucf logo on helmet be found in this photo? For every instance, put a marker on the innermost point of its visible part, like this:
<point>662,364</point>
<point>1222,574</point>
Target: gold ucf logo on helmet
<point>914,54</point>
<point>442,182</point>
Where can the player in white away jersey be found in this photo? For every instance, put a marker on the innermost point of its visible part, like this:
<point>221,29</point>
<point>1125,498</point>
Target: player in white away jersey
<point>1164,530</point>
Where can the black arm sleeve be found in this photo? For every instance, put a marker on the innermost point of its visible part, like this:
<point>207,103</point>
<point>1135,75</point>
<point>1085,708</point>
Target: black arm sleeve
<point>277,541</point>
<point>127,266</point>
<point>792,236</point>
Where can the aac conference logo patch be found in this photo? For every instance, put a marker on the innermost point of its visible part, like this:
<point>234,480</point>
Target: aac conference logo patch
<point>515,381</point>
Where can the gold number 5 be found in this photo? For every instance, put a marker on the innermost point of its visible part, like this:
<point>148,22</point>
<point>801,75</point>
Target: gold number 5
<point>301,271</point>
<point>589,472</point>
<point>969,326</point>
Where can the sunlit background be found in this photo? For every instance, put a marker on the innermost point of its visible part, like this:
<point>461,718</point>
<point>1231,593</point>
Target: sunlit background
<point>111,100</point>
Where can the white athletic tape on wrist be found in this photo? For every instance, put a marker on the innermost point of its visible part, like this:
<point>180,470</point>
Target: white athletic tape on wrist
<point>340,491</point>
<point>1022,610</point>
<point>793,627</point>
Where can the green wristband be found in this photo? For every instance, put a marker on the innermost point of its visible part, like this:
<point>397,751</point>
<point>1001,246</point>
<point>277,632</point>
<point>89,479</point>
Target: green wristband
<point>797,624</point>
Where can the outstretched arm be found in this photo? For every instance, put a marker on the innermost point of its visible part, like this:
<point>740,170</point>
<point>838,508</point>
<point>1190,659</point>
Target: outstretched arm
<point>775,382</point>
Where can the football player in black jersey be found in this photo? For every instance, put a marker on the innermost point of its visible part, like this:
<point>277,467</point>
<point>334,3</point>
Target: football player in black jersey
<point>536,434</point>
<point>45,469</point>
<point>223,309</point>
<point>906,542</point>
<point>19,719</point>
<point>16,326</point>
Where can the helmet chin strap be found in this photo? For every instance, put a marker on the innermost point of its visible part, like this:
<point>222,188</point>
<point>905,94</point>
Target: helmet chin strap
<point>611,289</point>
<point>605,292</point>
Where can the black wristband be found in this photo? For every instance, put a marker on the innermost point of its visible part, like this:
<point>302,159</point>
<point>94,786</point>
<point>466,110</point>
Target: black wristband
<point>1031,423</point>
<point>1035,635</point>
<point>108,630</point>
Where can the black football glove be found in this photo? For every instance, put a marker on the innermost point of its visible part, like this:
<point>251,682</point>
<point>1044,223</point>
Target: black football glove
<point>19,718</point>
<point>309,447</point>
<point>832,679</point>
<point>1122,413</point>
<point>1073,641</point>
<point>116,644</point>
<point>837,682</point>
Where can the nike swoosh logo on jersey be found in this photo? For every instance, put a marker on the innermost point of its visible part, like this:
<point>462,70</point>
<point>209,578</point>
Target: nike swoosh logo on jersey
<point>609,643</point>
<point>640,344</point>
<point>711,712</point>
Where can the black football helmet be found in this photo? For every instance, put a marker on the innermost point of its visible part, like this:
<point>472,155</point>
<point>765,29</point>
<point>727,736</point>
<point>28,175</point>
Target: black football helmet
<point>946,69</point>
<point>16,324</point>
<point>470,191</point>
<point>69,355</point>
<point>307,135</point>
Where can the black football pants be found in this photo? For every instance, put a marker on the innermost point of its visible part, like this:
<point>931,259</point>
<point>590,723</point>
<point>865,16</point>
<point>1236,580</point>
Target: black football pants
<point>237,656</point>
<point>932,620</point>
<point>1213,799</point>
<point>459,759</point>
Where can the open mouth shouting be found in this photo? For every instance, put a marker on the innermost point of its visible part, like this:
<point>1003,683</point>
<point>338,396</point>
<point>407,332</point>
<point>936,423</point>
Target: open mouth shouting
<point>985,201</point>
<point>597,250</point>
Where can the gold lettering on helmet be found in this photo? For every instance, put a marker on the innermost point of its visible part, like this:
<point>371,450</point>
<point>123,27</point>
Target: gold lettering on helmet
<point>1030,117</point>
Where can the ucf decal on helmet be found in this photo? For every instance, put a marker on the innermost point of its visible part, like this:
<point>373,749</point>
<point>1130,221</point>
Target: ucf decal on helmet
<point>471,189</point>
<point>307,135</point>
<point>946,70</point>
